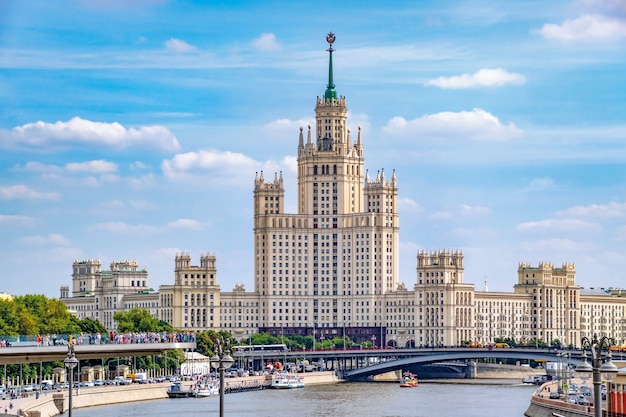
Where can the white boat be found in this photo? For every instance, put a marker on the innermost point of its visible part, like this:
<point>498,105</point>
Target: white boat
<point>536,379</point>
<point>206,390</point>
<point>286,381</point>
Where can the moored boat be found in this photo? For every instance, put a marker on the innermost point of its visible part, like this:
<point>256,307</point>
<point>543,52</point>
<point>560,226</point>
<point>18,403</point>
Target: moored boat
<point>179,390</point>
<point>206,390</point>
<point>536,379</point>
<point>286,381</point>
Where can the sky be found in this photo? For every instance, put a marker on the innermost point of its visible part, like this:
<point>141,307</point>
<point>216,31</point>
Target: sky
<point>134,129</point>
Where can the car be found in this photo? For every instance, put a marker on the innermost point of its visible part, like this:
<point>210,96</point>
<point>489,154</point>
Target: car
<point>555,395</point>
<point>28,388</point>
<point>98,382</point>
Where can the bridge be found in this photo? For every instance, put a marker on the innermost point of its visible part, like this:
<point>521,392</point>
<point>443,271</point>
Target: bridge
<point>361,364</point>
<point>34,354</point>
<point>451,355</point>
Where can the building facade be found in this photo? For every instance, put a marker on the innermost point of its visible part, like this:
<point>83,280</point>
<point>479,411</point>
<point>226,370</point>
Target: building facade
<point>331,269</point>
<point>99,294</point>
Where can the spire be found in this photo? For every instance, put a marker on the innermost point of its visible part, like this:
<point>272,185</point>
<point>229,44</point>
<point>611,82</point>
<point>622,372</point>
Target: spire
<point>309,140</point>
<point>330,93</point>
<point>301,139</point>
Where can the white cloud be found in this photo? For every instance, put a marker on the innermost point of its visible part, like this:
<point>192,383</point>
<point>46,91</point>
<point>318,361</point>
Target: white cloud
<point>407,204</point>
<point>611,210</point>
<point>483,78</point>
<point>138,165</point>
<point>461,211</point>
<point>548,245</point>
<point>219,162</point>
<point>53,239</point>
<point>540,184</point>
<point>10,219</point>
<point>290,126</point>
<point>98,166</point>
<point>467,210</point>
<point>81,131</point>
<point>475,125</point>
<point>177,45</point>
<point>188,224</point>
<point>266,42</point>
<point>225,166</point>
<point>22,192</point>
<point>585,28</point>
<point>122,228</point>
<point>560,225</point>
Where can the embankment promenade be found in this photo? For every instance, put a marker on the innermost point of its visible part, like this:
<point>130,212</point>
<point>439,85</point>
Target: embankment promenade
<point>55,403</point>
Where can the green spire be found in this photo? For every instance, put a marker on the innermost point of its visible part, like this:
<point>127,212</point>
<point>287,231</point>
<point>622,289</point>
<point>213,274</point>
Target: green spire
<point>330,93</point>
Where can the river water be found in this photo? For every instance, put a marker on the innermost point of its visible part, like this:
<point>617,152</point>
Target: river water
<point>348,399</point>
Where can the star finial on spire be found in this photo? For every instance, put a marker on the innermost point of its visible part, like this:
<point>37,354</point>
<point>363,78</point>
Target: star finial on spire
<point>330,38</point>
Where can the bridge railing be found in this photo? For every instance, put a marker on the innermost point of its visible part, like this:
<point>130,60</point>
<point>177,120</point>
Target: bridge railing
<point>97,338</point>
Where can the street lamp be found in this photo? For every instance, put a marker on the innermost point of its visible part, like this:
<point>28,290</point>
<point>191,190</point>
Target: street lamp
<point>373,341</point>
<point>221,361</point>
<point>599,370</point>
<point>70,363</point>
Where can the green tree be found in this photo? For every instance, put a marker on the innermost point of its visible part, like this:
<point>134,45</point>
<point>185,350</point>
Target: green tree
<point>139,320</point>
<point>91,326</point>
<point>8,318</point>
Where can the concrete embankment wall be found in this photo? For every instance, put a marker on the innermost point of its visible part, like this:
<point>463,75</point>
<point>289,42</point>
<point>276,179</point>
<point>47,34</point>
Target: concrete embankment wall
<point>497,371</point>
<point>51,405</point>
<point>542,407</point>
<point>57,403</point>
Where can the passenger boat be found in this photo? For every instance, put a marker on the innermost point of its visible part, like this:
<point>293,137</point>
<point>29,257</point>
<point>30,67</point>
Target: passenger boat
<point>409,381</point>
<point>535,379</point>
<point>286,381</point>
<point>178,390</point>
<point>206,390</point>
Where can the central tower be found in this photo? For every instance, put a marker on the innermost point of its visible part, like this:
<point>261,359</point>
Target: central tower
<point>325,270</point>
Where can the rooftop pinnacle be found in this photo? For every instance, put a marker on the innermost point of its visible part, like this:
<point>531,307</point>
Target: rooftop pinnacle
<point>330,93</point>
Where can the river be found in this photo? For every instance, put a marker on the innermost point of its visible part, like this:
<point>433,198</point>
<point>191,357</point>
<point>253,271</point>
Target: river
<point>491,399</point>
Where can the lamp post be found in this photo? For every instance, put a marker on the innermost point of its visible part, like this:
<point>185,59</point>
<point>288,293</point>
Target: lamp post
<point>70,363</point>
<point>221,361</point>
<point>599,370</point>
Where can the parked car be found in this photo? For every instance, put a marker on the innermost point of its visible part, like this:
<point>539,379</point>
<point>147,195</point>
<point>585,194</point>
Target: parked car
<point>555,395</point>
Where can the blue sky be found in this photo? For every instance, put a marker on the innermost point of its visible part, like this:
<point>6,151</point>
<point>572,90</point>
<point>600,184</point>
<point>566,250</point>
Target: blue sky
<point>134,129</point>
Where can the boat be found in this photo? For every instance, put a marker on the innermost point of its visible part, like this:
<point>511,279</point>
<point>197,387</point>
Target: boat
<point>178,390</point>
<point>409,380</point>
<point>205,390</point>
<point>535,379</point>
<point>286,381</point>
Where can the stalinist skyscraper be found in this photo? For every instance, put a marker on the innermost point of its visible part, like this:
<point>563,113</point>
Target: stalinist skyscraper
<point>326,268</point>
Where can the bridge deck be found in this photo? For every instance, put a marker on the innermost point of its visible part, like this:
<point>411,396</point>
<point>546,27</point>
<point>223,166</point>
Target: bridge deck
<point>34,354</point>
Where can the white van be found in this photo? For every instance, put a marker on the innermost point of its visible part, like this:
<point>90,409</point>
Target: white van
<point>47,384</point>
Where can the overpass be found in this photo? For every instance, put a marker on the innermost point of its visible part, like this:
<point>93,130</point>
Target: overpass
<point>34,354</point>
<point>453,355</point>
<point>360,364</point>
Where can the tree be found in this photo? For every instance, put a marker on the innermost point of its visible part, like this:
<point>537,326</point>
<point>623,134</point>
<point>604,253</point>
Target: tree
<point>91,326</point>
<point>139,320</point>
<point>206,341</point>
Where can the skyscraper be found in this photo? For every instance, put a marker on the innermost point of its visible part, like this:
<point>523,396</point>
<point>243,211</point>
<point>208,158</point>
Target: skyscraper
<point>327,266</point>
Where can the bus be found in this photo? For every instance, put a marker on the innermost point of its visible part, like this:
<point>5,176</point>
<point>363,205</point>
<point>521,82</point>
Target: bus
<point>260,349</point>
